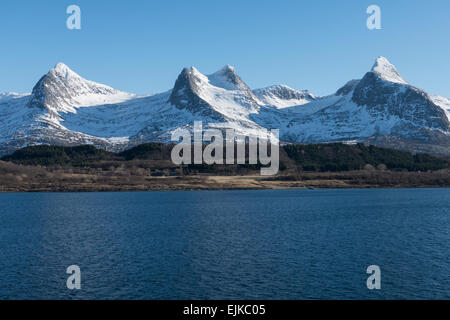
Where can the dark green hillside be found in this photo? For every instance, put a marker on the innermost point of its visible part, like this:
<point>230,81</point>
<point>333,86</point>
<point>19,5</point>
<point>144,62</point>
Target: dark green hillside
<point>334,157</point>
<point>153,151</point>
<point>149,167</point>
<point>341,157</point>
<point>45,155</point>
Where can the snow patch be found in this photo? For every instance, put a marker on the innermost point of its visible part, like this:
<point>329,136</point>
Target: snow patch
<point>387,71</point>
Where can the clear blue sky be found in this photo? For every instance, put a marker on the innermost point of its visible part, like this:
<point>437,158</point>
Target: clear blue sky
<point>141,46</point>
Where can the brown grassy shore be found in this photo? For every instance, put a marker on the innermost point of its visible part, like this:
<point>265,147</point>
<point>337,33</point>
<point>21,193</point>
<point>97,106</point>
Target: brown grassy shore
<point>19,178</point>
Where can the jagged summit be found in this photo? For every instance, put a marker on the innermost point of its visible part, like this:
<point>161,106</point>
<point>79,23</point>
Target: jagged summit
<point>226,68</point>
<point>61,67</point>
<point>193,70</point>
<point>212,96</point>
<point>387,71</point>
<point>282,96</point>
<point>61,70</point>
<point>186,92</point>
<point>385,95</point>
<point>225,78</point>
<point>63,90</point>
<point>284,87</point>
<point>280,86</point>
<point>192,77</point>
<point>228,79</point>
<point>188,79</point>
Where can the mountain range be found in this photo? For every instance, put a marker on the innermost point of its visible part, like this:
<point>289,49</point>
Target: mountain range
<point>380,109</point>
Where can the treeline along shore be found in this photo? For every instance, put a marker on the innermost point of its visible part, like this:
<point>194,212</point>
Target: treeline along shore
<point>149,167</point>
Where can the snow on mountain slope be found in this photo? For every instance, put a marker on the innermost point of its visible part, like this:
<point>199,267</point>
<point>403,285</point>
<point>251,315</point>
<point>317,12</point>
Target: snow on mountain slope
<point>36,118</point>
<point>13,115</point>
<point>380,108</point>
<point>227,78</point>
<point>71,110</point>
<point>380,104</point>
<point>221,94</point>
<point>386,95</point>
<point>282,96</point>
<point>142,119</point>
<point>221,100</point>
<point>442,102</point>
<point>62,90</point>
<point>7,96</point>
<point>386,71</point>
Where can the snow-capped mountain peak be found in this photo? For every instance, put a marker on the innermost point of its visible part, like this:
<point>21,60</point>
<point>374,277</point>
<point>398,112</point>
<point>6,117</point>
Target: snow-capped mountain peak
<point>63,70</point>
<point>227,68</point>
<point>214,96</point>
<point>228,79</point>
<point>283,96</point>
<point>63,90</point>
<point>194,71</point>
<point>387,71</point>
<point>383,93</point>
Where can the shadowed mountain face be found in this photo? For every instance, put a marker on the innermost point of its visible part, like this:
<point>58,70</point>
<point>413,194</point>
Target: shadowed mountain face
<point>214,96</point>
<point>397,98</point>
<point>185,94</point>
<point>381,108</point>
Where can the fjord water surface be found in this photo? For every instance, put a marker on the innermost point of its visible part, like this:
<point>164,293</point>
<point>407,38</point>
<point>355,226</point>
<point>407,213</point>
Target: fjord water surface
<point>296,244</point>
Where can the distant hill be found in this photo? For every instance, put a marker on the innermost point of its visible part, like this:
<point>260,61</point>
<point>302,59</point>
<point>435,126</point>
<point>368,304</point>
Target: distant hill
<point>341,157</point>
<point>44,155</point>
<point>332,157</point>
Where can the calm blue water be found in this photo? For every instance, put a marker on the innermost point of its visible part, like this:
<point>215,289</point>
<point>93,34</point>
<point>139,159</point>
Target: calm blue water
<point>312,244</point>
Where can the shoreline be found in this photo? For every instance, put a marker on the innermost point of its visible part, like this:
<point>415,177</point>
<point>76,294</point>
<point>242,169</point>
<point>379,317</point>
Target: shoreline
<point>148,167</point>
<point>210,183</point>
